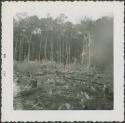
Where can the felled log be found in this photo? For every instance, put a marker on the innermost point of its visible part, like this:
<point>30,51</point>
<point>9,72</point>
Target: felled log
<point>29,92</point>
<point>76,79</point>
<point>43,73</point>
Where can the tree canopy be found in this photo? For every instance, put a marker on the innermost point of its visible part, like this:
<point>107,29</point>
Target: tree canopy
<point>88,42</point>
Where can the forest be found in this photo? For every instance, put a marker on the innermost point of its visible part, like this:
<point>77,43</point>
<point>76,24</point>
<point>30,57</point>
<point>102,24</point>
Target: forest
<point>61,65</point>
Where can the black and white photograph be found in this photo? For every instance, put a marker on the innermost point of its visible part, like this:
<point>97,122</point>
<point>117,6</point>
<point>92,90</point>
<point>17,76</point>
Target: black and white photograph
<point>61,64</point>
<point>62,56</point>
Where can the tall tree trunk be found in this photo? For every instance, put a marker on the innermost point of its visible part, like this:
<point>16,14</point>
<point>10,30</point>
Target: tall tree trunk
<point>45,49</point>
<point>89,39</point>
<point>40,51</point>
<point>20,50</point>
<point>29,48</point>
<point>57,51</point>
<point>62,51</point>
<point>86,56</point>
<point>60,54</point>
<point>69,52</point>
<point>25,48</point>
<point>51,51</point>
<point>83,53</point>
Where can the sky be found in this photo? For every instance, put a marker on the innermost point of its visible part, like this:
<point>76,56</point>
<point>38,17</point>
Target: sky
<point>73,10</point>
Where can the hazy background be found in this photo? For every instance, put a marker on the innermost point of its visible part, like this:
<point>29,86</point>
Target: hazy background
<point>74,10</point>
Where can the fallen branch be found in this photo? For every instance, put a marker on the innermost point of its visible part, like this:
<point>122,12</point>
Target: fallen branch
<point>30,92</point>
<point>76,79</point>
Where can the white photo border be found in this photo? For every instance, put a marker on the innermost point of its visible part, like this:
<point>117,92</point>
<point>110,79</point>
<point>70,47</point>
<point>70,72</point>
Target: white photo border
<point>7,112</point>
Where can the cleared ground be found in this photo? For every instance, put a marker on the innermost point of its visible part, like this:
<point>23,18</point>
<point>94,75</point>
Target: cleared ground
<point>59,87</point>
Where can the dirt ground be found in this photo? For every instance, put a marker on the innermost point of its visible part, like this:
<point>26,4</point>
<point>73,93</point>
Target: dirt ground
<point>59,89</point>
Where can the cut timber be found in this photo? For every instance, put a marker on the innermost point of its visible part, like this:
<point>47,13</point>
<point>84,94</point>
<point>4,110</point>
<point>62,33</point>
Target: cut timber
<point>30,92</point>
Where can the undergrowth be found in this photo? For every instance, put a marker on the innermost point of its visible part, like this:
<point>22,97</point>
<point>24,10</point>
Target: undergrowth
<point>61,87</point>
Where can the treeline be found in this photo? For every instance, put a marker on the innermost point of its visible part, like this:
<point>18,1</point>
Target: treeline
<point>59,40</point>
